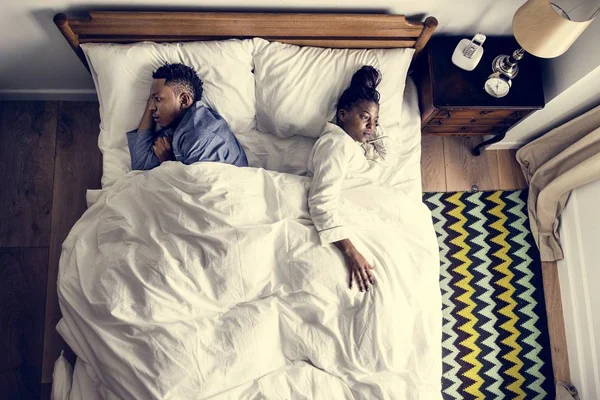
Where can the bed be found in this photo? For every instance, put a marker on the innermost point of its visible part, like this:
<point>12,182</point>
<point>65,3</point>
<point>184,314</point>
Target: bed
<point>208,281</point>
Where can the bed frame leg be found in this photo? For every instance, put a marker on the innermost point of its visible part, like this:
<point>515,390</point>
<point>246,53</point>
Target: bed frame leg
<point>62,22</point>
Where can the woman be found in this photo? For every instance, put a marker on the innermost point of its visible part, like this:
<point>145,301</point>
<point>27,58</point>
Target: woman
<point>339,159</point>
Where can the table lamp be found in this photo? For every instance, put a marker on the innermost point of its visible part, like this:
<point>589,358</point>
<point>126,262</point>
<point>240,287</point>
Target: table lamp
<point>546,29</point>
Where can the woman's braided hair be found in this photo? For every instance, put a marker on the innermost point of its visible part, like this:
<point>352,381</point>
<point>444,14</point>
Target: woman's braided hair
<point>362,87</point>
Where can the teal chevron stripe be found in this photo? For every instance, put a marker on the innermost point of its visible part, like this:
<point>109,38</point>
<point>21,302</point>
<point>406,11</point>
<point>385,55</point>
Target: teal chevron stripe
<point>449,327</point>
<point>486,294</point>
<point>530,324</point>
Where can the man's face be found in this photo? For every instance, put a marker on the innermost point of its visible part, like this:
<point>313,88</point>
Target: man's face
<point>361,121</point>
<point>166,106</point>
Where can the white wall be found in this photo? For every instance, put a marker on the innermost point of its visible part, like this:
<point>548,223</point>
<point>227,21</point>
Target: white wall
<point>571,87</point>
<point>579,275</point>
<point>36,60</point>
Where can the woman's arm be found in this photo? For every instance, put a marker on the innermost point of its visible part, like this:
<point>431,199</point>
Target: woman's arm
<point>329,165</point>
<point>330,161</point>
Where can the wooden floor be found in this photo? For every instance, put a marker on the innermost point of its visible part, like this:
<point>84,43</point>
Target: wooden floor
<point>448,166</point>
<point>49,157</point>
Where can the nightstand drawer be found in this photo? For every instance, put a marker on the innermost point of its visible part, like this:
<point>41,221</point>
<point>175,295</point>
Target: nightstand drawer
<point>474,121</point>
<point>458,129</point>
<point>481,115</point>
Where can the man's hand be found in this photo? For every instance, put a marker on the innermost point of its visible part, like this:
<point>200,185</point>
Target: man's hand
<point>149,103</point>
<point>147,122</point>
<point>162,149</point>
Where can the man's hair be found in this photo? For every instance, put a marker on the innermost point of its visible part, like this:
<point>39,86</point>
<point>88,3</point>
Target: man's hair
<point>181,78</point>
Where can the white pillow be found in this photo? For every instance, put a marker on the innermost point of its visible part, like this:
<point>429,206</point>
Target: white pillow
<point>290,155</point>
<point>297,88</point>
<point>123,76</point>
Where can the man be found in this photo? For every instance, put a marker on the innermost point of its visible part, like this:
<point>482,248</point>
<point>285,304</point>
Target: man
<point>188,130</point>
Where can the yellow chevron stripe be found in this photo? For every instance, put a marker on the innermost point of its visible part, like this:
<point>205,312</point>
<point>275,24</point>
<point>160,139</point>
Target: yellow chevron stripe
<point>507,296</point>
<point>467,312</point>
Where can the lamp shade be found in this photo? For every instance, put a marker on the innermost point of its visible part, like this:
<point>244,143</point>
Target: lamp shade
<point>541,31</point>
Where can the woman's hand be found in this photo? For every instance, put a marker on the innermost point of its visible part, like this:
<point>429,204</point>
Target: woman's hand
<point>360,271</point>
<point>162,149</point>
<point>358,267</point>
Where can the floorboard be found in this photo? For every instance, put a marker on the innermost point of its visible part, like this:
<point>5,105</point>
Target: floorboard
<point>22,297</point>
<point>432,164</point>
<point>27,138</point>
<point>78,167</point>
<point>556,322</point>
<point>46,391</point>
<point>510,174</point>
<point>465,172</point>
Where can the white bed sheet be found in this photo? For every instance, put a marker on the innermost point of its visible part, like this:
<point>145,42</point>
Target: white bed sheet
<point>196,281</point>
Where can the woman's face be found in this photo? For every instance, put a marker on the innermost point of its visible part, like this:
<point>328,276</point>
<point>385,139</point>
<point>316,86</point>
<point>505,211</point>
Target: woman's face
<point>361,121</point>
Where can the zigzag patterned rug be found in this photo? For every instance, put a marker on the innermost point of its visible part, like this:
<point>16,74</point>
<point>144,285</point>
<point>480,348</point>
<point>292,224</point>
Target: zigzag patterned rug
<point>495,333</point>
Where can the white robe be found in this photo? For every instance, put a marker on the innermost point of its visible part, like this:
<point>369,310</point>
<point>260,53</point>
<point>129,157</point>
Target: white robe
<point>337,162</point>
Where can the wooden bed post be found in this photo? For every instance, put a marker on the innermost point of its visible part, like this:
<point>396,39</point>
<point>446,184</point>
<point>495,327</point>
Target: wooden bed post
<point>62,22</point>
<point>430,24</point>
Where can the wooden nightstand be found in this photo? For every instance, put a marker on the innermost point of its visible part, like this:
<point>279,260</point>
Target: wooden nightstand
<point>454,102</point>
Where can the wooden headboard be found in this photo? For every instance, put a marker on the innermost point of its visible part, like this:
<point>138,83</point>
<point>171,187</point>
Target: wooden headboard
<point>321,30</point>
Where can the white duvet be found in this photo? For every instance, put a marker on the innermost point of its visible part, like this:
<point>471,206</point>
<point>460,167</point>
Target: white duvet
<point>208,282</point>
